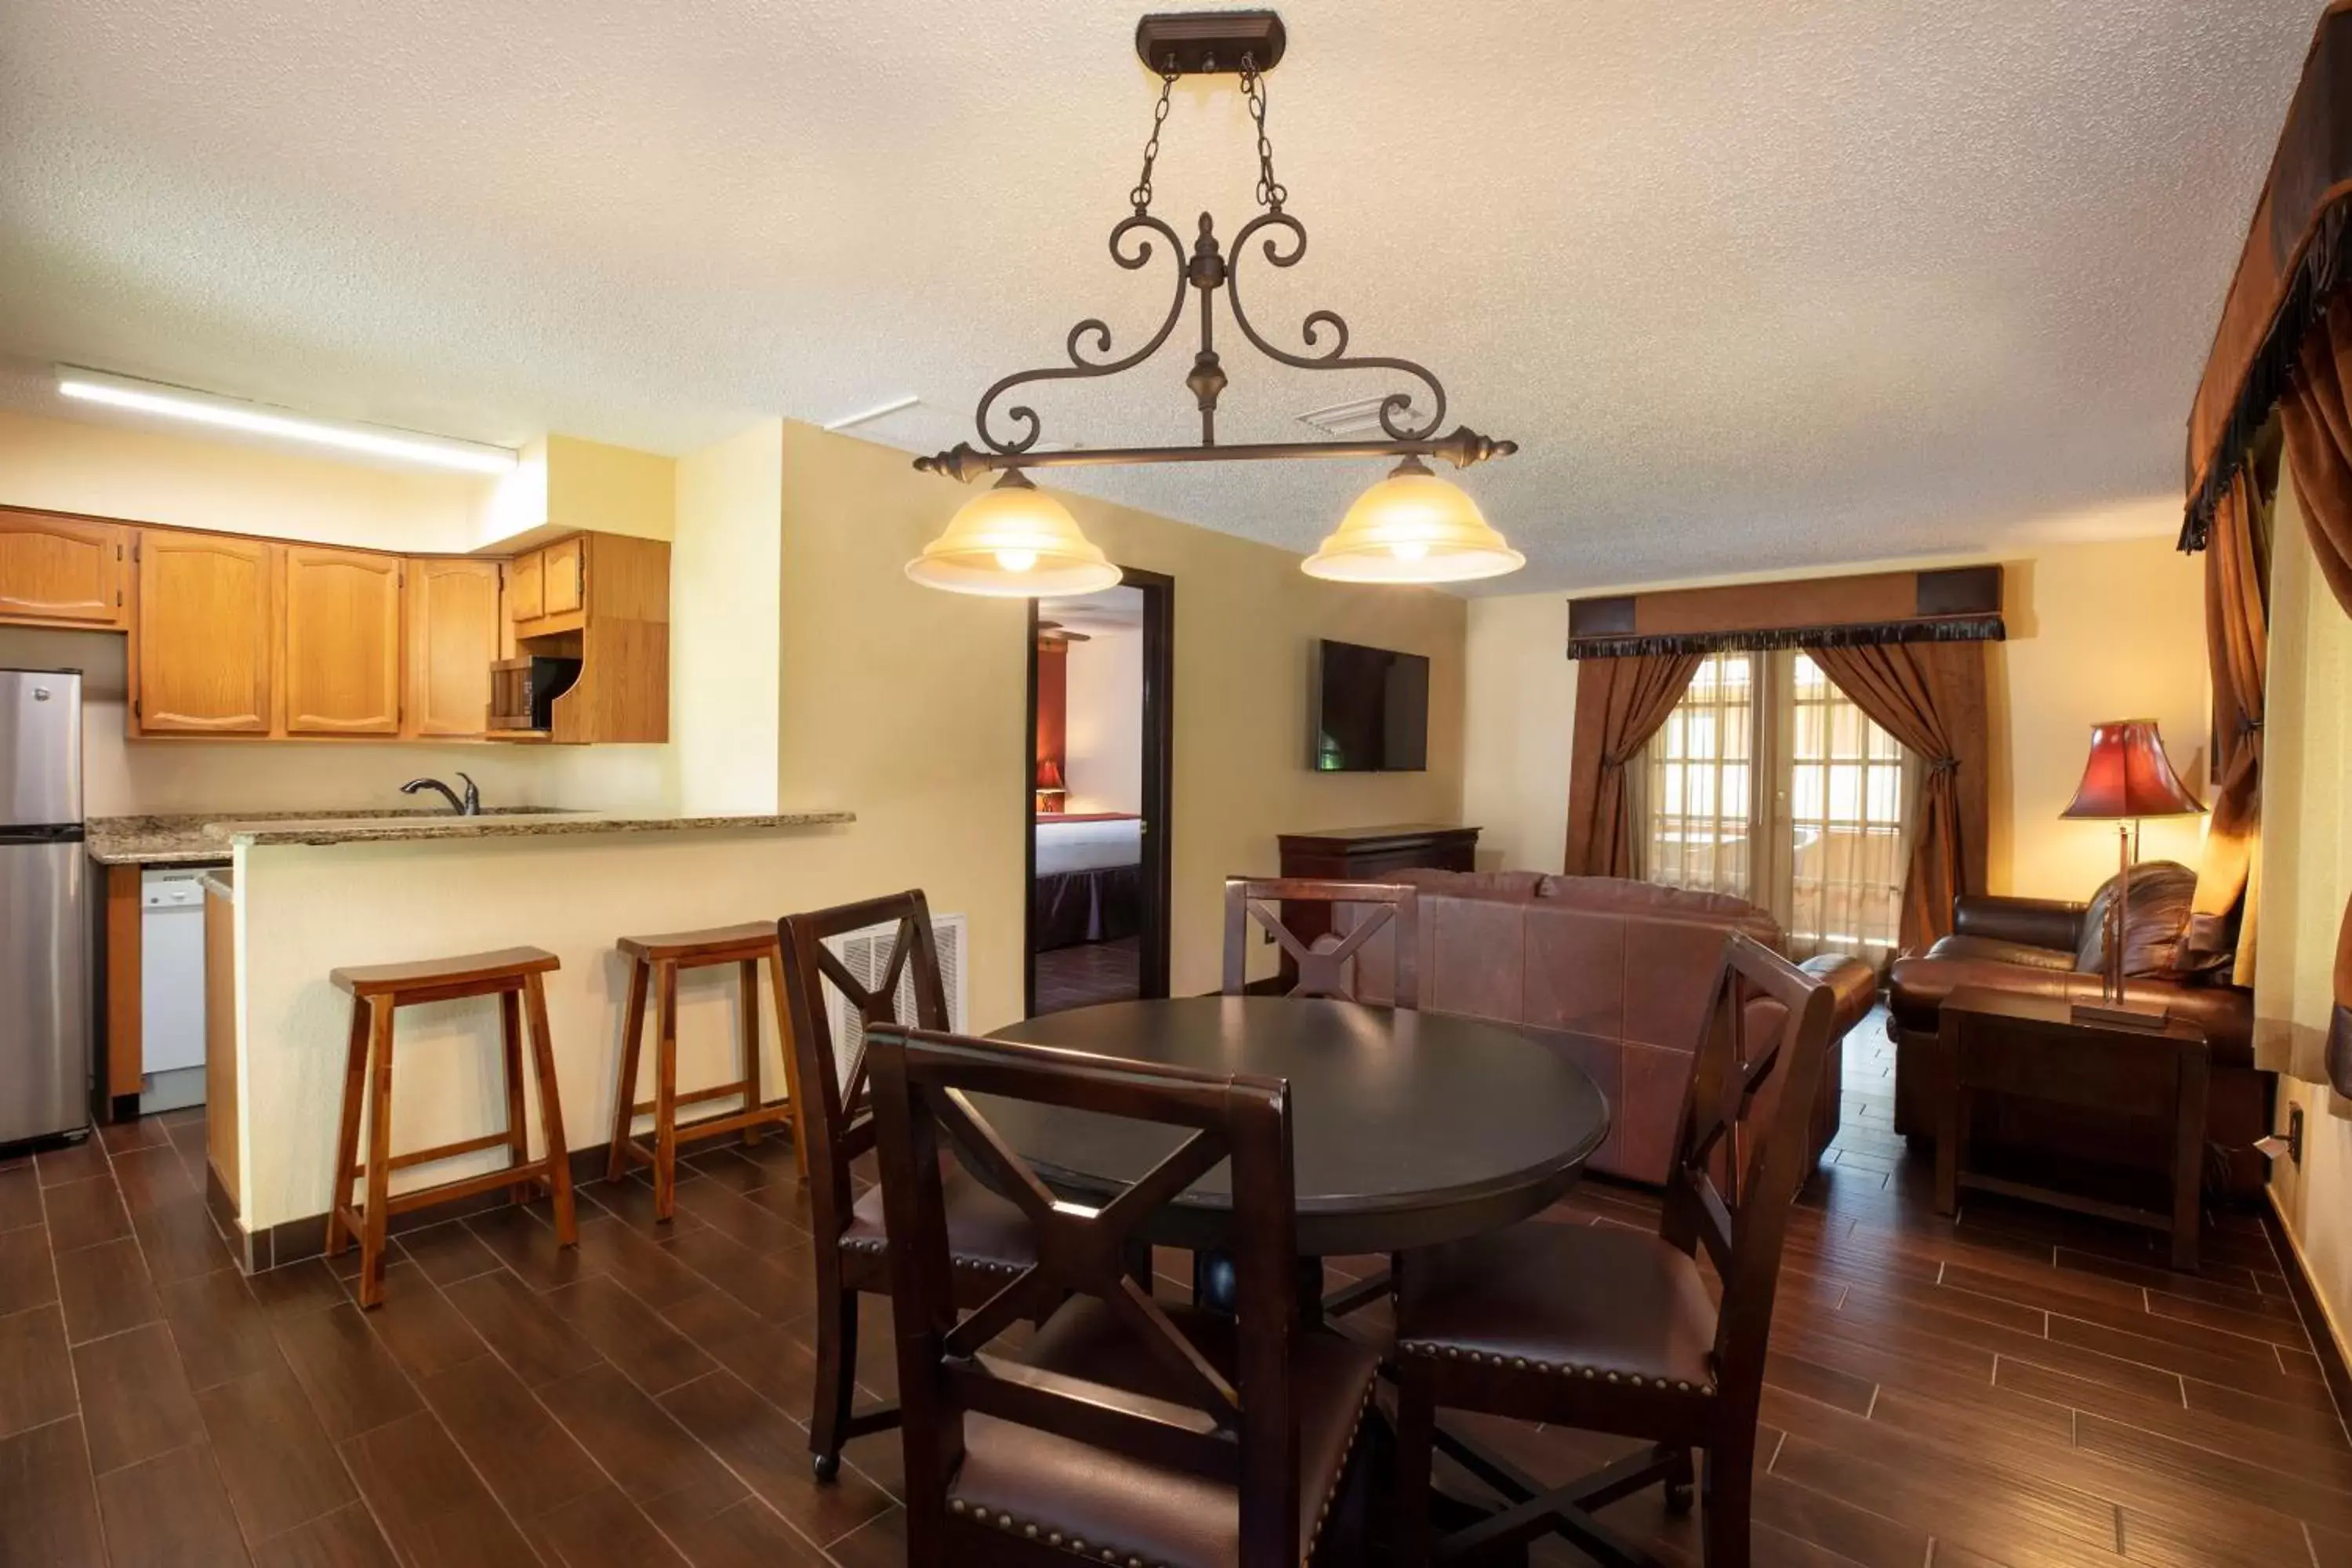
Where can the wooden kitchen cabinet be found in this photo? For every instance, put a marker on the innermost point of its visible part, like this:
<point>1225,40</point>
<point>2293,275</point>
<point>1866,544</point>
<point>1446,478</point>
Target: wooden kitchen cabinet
<point>453,636</point>
<point>203,648</point>
<point>62,571</point>
<point>343,641</point>
<point>563,577</point>
<point>526,600</point>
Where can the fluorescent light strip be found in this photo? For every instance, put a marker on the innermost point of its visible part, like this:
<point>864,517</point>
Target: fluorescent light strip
<point>148,397</point>
<point>877,412</point>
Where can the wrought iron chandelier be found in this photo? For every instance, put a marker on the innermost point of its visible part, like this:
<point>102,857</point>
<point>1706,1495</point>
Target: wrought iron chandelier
<point>1015,541</point>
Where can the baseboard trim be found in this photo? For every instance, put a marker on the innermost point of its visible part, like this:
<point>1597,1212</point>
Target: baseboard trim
<point>2327,1340</point>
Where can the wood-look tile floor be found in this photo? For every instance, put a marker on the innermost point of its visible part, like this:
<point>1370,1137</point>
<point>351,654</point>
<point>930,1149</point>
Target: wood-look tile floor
<point>2015,1387</point>
<point>1090,973</point>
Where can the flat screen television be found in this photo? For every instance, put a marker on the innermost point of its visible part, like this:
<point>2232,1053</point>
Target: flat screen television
<point>1371,710</point>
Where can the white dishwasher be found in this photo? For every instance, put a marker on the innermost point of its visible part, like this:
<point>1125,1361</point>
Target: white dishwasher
<point>171,988</point>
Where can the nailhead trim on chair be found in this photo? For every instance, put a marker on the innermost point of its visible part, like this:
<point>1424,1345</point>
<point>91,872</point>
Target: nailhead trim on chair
<point>873,1247</point>
<point>1434,1351</point>
<point>1110,1554</point>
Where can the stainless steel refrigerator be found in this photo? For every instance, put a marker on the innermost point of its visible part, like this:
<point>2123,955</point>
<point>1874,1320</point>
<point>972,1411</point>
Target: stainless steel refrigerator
<point>45,919</point>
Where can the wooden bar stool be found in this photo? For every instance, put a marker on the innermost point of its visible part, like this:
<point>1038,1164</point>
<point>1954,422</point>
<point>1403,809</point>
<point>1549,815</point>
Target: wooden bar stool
<point>654,962</point>
<point>511,975</point>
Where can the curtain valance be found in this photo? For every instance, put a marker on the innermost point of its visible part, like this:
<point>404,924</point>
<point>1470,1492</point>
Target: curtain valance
<point>1959,605</point>
<point>2295,259</point>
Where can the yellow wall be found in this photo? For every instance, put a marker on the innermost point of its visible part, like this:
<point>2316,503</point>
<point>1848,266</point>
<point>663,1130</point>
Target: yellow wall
<point>1521,709</point>
<point>109,470</point>
<point>2095,631</point>
<point>2111,630</point>
<point>2306,872</point>
<point>726,583</point>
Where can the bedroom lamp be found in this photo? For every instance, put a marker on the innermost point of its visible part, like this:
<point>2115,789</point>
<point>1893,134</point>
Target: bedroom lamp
<point>2127,778</point>
<point>1051,790</point>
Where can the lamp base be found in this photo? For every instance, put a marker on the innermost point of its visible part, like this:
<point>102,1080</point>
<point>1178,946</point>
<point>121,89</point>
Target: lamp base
<point>2150,1016</point>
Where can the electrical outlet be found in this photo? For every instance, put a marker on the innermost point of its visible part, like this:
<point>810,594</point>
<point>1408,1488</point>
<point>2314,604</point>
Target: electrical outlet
<point>2295,1133</point>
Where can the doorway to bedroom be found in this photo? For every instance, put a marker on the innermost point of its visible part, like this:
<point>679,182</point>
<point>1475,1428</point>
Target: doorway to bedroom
<point>1097,799</point>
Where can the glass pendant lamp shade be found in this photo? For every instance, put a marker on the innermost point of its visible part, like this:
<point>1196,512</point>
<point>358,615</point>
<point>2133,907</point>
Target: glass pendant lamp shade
<point>1413,527</point>
<point>1014,541</point>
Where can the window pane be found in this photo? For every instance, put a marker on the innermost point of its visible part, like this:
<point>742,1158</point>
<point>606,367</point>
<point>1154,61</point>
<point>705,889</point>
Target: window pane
<point>1700,767</point>
<point>1845,801</point>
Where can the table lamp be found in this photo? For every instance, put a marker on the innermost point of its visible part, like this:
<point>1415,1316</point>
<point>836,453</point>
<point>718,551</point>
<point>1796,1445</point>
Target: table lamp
<point>1051,791</point>
<point>2127,778</point>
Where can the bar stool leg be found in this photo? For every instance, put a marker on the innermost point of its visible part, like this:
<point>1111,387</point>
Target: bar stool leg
<point>551,1116</point>
<point>624,1095</point>
<point>379,1165</point>
<point>347,1131</point>
<point>666,1091</point>
<point>747,1002</point>
<point>792,1061</point>
<point>510,1049</point>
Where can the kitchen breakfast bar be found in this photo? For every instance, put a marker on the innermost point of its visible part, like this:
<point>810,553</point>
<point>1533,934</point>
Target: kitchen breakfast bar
<point>303,898</point>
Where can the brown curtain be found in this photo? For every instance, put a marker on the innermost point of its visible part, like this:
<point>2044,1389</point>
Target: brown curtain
<point>1931,698</point>
<point>1620,703</point>
<point>2237,622</point>
<point>2318,423</point>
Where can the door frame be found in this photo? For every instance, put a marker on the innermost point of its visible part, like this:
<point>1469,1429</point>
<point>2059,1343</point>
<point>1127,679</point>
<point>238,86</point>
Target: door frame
<point>1159,727</point>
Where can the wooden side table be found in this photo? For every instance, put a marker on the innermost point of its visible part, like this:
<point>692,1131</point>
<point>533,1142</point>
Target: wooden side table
<point>2033,1047</point>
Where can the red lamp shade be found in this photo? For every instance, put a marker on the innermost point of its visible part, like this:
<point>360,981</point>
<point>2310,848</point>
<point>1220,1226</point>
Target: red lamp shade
<point>1049,774</point>
<point>2129,775</point>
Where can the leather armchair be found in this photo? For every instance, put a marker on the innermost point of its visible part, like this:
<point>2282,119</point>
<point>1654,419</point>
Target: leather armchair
<point>2050,948</point>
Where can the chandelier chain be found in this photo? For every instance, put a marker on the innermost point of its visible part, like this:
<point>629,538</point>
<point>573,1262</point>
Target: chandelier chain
<point>1270,194</point>
<point>1141,195</point>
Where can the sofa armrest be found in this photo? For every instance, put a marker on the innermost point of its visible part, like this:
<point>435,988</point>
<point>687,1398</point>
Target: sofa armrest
<point>2035,922</point>
<point>1853,989</point>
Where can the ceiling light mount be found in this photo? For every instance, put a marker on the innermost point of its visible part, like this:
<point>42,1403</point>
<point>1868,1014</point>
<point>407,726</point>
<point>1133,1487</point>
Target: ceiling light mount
<point>1220,42</point>
<point>1208,43</point>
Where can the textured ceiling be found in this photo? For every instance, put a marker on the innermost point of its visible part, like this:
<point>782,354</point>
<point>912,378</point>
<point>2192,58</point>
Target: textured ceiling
<point>1753,285</point>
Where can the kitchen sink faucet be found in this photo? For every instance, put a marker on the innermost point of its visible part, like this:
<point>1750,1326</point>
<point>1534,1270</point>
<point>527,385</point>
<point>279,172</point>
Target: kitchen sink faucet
<point>469,805</point>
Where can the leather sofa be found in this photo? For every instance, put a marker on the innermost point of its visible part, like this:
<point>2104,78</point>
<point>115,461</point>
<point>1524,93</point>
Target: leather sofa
<point>2054,949</point>
<point>1615,975</point>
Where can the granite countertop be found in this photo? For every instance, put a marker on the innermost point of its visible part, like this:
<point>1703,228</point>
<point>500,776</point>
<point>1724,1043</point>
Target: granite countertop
<point>209,838</point>
<point>491,825</point>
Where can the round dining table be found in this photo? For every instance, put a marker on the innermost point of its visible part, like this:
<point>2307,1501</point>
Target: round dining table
<point>1408,1128</point>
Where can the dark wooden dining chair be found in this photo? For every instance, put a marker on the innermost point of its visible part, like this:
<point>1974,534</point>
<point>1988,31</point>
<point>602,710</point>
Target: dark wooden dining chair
<point>1326,969</point>
<point>1125,1431</point>
<point>991,1240</point>
<point>1323,960</point>
<point>1612,1330</point>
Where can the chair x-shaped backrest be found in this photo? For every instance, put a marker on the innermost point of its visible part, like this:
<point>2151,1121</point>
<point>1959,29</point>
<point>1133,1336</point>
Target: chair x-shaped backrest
<point>841,1129</point>
<point>1323,964</point>
<point>928,1094</point>
<point>1769,1020</point>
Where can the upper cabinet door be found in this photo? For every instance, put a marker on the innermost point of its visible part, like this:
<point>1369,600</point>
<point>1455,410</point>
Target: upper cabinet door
<point>453,636</point>
<point>342,642</point>
<point>563,576</point>
<point>205,643</point>
<point>61,570</point>
<point>525,601</point>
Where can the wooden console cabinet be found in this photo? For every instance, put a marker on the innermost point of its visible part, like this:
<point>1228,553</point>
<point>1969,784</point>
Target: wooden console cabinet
<point>1365,855</point>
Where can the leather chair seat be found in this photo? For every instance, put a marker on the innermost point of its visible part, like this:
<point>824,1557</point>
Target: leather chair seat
<point>1589,1300</point>
<point>1993,950</point>
<point>983,1229</point>
<point>1126,1511</point>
